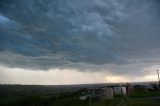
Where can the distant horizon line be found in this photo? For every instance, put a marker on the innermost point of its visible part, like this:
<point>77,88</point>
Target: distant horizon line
<point>84,83</point>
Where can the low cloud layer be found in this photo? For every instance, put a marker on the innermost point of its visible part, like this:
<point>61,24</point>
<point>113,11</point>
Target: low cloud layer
<point>117,35</point>
<point>65,76</point>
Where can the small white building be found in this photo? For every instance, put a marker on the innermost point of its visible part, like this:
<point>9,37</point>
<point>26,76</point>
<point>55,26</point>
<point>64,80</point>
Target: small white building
<point>99,93</point>
<point>119,90</point>
<point>124,90</point>
<point>84,97</point>
<point>104,93</point>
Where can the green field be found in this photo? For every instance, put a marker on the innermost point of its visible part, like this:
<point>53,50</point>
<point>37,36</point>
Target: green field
<point>74,101</point>
<point>50,96</point>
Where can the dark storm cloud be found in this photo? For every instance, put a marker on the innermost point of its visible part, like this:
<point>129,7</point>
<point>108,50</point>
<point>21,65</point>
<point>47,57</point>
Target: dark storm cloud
<point>78,34</point>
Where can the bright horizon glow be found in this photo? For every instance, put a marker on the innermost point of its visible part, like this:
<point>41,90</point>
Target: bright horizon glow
<point>63,77</point>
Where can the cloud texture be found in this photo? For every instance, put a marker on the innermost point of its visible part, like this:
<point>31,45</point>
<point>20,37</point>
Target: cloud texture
<point>117,35</point>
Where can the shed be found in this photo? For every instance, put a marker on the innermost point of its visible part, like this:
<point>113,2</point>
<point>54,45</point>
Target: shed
<point>104,93</point>
<point>117,90</point>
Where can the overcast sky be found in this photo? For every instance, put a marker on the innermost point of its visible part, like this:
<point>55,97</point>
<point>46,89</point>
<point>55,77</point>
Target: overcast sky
<point>79,41</point>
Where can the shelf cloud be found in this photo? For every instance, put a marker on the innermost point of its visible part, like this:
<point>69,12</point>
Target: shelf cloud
<point>120,36</point>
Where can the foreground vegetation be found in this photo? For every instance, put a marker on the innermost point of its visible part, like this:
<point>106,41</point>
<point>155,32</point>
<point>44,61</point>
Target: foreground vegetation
<point>39,96</point>
<point>74,101</point>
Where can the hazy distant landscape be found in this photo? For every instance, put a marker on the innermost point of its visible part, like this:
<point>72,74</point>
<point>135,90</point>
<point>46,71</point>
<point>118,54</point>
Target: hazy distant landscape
<point>68,95</point>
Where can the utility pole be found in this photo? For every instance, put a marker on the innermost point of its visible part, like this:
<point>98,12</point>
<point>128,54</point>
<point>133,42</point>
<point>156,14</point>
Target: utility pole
<point>158,77</point>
